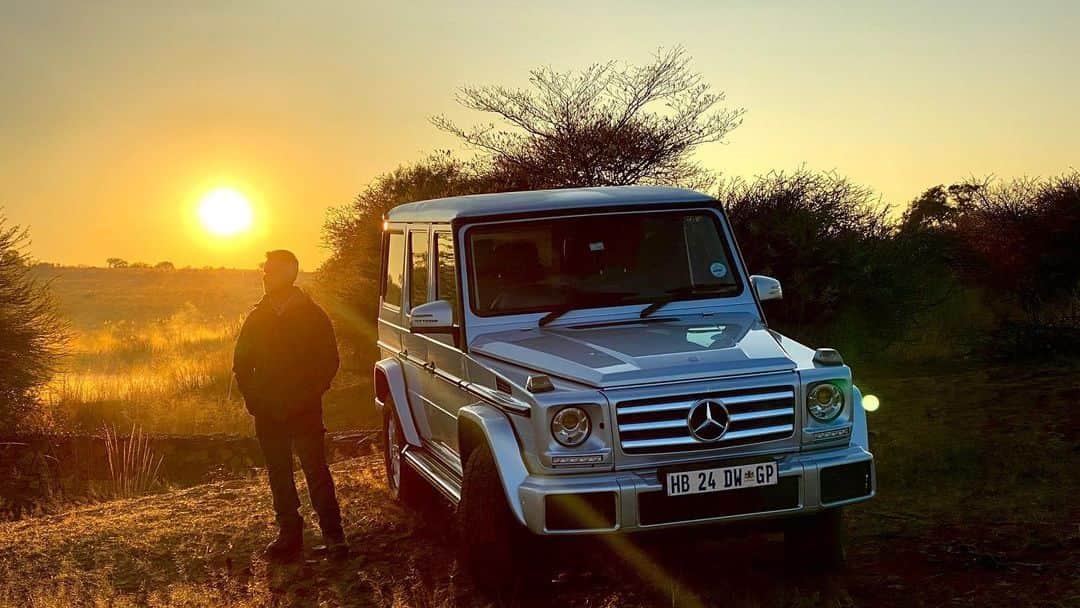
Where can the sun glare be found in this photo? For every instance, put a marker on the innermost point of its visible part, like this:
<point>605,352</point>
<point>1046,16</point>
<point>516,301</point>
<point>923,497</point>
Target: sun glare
<point>225,212</point>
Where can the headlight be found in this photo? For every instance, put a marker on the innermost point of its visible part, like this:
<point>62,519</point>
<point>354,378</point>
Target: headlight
<point>571,426</point>
<point>825,401</point>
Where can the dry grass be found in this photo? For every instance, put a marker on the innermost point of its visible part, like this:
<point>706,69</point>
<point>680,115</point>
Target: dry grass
<point>168,376</point>
<point>154,348</point>
<point>171,376</point>
<point>134,469</point>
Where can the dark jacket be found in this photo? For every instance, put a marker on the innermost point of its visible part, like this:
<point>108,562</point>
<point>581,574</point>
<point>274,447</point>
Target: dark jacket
<point>284,361</point>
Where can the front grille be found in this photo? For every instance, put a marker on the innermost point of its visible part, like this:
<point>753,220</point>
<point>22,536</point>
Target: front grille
<point>658,425</point>
<point>659,508</point>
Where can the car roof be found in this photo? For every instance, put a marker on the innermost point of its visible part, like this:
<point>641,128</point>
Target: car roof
<point>540,201</point>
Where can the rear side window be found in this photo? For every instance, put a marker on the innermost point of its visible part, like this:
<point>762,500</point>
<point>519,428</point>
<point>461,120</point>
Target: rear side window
<point>395,270</point>
<point>445,275</point>
<point>418,265</point>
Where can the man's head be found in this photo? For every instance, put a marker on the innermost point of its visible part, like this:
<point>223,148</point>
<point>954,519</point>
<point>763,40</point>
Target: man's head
<point>279,270</point>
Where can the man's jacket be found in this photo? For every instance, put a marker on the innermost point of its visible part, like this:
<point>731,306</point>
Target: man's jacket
<point>285,357</point>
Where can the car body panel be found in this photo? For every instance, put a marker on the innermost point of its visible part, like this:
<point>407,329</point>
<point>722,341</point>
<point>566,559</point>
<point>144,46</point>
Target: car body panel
<point>624,354</point>
<point>395,379</point>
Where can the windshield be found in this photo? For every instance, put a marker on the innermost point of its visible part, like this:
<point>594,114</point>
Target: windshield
<point>598,260</point>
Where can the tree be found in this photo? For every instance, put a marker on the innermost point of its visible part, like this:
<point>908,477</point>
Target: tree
<point>32,334</point>
<point>353,234</point>
<point>607,125</point>
<point>116,263</point>
<point>166,265</point>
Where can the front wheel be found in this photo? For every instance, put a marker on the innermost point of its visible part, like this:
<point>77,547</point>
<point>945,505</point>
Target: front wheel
<point>816,542</point>
<point>404,482</point>
<point>493,542</point>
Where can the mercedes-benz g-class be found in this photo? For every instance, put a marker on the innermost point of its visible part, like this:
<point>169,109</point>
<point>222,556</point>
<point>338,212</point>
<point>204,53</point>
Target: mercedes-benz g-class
<point>595,361</point>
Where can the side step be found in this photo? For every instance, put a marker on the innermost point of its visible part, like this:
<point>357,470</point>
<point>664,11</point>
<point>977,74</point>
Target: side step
<point>435,472</point>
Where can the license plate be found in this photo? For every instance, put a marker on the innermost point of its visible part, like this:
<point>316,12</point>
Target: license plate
<point>700,481</point>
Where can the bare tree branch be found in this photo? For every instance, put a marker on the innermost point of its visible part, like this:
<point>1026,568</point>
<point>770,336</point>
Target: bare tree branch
<point>607,124</point>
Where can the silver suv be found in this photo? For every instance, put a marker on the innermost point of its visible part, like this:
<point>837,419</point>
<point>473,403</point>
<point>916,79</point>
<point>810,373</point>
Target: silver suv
<point>594,361</point>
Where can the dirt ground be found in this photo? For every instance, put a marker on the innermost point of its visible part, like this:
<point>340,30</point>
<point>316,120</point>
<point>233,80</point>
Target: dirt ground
<point>977,507</point>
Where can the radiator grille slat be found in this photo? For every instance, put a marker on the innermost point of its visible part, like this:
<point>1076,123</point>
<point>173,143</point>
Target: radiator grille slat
<point>659,425</point>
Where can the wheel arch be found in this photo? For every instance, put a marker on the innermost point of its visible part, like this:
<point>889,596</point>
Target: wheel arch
<point>860,436</point>
<point>389,385</point>
<point>482,423</point>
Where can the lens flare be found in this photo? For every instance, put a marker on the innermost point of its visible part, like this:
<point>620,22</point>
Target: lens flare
<point>870,403</point>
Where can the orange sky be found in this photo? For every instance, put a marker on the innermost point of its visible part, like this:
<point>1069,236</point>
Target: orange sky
<point>115,117</point>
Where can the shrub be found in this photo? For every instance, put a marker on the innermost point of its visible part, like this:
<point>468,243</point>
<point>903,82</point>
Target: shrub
<point>1019,241</point>
<point>31,332</point>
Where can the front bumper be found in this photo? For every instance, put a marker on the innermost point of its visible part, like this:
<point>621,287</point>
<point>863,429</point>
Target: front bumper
<point>634,500</point>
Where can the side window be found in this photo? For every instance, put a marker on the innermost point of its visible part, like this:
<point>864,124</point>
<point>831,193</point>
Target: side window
<point>418,268</point>
<point>446,276</point>
<point>445,269</point>
<point>395,270</point>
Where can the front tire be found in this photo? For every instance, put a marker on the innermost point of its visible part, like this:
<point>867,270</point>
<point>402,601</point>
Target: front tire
<point>816,543</point>
<point>404,482</point>
<point>493,542</point>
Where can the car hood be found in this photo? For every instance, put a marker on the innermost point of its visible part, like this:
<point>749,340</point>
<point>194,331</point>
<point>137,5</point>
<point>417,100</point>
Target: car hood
<point>625,353</point>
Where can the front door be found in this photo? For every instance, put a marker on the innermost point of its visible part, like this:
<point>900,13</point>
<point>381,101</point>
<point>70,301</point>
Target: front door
<point>444,357</point>
<point>415,346</point>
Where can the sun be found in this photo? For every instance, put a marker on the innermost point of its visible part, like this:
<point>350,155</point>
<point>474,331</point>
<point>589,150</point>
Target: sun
<point>225,212</point>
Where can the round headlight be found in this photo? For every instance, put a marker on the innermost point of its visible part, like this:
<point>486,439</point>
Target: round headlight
<point>825,401</point>
<point>570,426</point>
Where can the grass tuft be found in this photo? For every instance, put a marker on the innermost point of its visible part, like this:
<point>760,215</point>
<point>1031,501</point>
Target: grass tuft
<point>134,469</point>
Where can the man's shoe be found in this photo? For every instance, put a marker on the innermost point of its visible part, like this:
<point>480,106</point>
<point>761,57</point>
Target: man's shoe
<point>334,545</point>
<point>287,545</point>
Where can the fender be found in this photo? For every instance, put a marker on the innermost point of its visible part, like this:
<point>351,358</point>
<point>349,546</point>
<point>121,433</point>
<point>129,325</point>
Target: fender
<point>395,381</point>
<point>499,434</point>
<point>859,434</point>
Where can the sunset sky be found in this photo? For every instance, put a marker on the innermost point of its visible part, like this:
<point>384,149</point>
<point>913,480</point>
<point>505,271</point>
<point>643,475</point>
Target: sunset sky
<point>117,118</point>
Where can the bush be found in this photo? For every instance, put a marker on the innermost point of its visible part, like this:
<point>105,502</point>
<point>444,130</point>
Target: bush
<point>348,281</point>
<point>815,232</point>
<point>31,332</point>
<point>1020,242</point>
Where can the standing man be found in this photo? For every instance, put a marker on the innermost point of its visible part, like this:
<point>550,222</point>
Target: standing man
<point>285,358</point>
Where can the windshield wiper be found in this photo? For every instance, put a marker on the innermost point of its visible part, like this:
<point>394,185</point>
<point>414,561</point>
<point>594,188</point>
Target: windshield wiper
<point>682,292</point>
<point>585,300</point>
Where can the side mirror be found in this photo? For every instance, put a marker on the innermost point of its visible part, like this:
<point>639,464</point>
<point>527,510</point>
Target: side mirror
<point>766,288</point>
<point>433,318</point>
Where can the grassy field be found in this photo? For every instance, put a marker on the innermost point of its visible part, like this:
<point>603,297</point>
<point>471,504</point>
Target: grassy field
<point>977,507</point>
<point>153,348</point>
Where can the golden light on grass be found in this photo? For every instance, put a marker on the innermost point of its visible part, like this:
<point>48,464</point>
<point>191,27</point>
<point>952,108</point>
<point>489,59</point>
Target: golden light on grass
<point>870,403</point>
<point>225,212</point>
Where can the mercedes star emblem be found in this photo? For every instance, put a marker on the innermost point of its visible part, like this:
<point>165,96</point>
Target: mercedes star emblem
<point>708,420</point>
